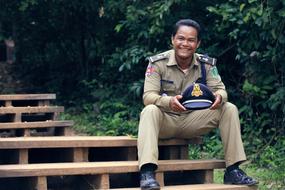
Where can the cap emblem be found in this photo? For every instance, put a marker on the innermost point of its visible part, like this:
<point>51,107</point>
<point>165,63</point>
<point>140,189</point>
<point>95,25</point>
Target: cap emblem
<point>196,90</point>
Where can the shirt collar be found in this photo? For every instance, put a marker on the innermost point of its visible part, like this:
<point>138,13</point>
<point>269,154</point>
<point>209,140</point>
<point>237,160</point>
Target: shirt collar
<point>172,60</point>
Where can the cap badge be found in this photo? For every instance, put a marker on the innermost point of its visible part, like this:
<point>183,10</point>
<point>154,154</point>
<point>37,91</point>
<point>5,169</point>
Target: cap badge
<point>196,90</point>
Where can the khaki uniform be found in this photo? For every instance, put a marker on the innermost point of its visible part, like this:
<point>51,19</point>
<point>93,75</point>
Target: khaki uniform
<point>165,79</point>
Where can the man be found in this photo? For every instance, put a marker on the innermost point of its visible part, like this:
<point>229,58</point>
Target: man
<point>168,75</point>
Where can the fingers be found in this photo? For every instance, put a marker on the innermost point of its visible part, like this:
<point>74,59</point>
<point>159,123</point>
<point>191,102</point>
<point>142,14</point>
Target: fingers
<point>175,104</point>
<point>217,102</point>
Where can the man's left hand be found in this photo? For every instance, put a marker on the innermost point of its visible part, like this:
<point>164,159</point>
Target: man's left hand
<point>217,102</point>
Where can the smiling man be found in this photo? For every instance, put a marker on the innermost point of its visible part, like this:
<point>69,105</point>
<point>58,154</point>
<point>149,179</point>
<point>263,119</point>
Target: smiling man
<point>168,76</point>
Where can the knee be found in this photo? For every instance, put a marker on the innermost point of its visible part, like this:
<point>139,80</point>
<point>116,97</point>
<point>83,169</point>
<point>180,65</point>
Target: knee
<point>229,107</point>
<point>151,109</point>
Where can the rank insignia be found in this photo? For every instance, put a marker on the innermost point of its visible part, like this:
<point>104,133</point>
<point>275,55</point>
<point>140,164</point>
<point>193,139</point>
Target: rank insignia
<point>196,91</point>
<point>149,70</point>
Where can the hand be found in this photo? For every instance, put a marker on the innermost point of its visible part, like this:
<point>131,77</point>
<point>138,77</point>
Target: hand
<point>175,105</point>
<point>217,102</point>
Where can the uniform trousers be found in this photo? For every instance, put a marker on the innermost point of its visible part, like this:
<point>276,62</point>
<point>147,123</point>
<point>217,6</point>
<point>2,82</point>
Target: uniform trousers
<point>156,124</point>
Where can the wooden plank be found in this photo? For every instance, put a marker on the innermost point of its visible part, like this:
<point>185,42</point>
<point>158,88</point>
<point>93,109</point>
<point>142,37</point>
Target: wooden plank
<point>36,109</point>
<point>202,187</point>
<point>37,124</point>
<point>81,168</point>
<point>76,141</point>
<point>28,97</point>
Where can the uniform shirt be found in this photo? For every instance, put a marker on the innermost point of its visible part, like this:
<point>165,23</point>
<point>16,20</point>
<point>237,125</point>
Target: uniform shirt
<point>164,79</point>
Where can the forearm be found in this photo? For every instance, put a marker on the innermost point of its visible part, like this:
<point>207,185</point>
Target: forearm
<point>156,99</point>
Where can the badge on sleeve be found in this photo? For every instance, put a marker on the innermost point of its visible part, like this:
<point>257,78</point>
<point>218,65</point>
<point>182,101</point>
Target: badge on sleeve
<point>214,72</point>
<point>149,70</point>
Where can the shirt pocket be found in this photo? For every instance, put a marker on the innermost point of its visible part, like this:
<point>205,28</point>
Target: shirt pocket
<point>168,87</point>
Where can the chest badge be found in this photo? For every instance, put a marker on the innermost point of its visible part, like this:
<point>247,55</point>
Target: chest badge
<point>196,91</point>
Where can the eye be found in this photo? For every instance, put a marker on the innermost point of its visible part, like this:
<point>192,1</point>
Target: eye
<point>180,38</point>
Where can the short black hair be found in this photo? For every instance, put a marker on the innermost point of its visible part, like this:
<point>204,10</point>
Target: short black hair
<point>187,22</point>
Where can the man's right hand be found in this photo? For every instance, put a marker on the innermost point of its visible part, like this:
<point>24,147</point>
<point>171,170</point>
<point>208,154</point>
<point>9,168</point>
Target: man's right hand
<point>175,105</point>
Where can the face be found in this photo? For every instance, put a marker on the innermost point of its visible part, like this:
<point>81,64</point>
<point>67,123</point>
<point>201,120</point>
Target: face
<point>185,42</point>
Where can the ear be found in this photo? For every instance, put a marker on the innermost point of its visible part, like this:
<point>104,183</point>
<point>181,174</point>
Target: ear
<point>198,44</point>
<point>172,40</point>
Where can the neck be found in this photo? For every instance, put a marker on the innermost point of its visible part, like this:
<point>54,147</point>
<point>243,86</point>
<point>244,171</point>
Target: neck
<point>184,63</point>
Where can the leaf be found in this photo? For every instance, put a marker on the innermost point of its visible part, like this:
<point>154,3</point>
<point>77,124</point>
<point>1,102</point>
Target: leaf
<point>281,12</point>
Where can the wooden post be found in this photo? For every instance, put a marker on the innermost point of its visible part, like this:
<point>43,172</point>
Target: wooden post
<point>8,103</point>
<point>23,157</point>
<point>159,176</point>
<point>99,181</point>
<point>39,183</point>
<point>205,176</point>
<point>184,152</point>
<point>80,155</point>
<point>131,153</point>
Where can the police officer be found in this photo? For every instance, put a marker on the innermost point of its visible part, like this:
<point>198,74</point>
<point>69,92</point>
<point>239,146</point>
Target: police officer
<point>167,76</point>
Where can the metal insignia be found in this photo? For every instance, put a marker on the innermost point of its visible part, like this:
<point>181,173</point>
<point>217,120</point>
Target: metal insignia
<point>196,91</point>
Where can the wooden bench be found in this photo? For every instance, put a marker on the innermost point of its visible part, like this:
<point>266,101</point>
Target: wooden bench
<point>99,174</point>
<point>23,150</point>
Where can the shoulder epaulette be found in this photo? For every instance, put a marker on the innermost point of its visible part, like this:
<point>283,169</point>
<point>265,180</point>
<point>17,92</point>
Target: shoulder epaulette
<point>158,57</point>
<point>206,59</point>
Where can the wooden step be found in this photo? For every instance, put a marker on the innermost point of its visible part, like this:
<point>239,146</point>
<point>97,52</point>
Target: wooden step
<point>17,100</point>
<point>24,150</point>
<point>81,168</point>
<point>84,141</point>
<point>36,124</point>
<point>201,187</point>
<point>37,128</point>
<point>100,173</point>
<point>27,97</point>
<point>35,109</point>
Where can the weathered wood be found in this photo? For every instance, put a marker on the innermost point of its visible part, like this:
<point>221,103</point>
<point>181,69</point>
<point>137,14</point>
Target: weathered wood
<point>80,155</point>
<point>81,168</point>
<point>28,97</point>
<point>77,141</point>
<point>37,109</point>
<point>184,152</point>
<point>8,103</point>
<point>159,176</point>
<point>100,181</point>
<point>208,176</point>
<point>23,156</point>
<point>40,183</point>
<point>202,187</point>
<point>36,124</point>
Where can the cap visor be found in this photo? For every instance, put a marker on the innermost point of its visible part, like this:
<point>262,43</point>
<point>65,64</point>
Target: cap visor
<point>197,105</point>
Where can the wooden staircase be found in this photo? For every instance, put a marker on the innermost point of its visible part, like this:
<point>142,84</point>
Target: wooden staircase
<point>40,152</point>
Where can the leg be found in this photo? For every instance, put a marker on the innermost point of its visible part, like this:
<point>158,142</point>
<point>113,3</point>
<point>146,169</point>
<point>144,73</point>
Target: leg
<point>226,118</point>
<point>154,124</point>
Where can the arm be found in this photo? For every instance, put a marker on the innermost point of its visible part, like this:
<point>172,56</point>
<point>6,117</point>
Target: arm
<point>215,83</point>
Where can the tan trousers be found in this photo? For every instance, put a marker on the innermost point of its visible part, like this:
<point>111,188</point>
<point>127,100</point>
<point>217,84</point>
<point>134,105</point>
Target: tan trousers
<point>155,124</point>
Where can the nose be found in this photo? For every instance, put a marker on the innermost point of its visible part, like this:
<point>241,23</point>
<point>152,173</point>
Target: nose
<point>185,43</point>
